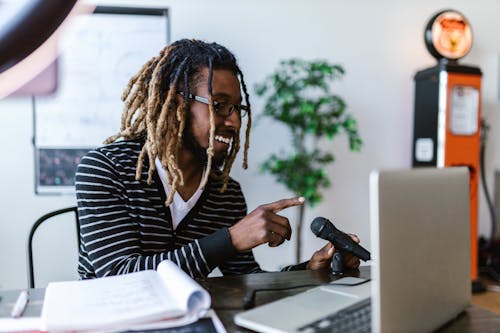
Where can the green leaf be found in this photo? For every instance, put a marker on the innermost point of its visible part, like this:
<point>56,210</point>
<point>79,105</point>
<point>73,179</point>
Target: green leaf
<point>299,94</point>
<point>306,107</point>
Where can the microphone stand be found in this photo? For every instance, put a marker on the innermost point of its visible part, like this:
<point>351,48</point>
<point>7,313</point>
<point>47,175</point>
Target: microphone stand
<point>337,264</point>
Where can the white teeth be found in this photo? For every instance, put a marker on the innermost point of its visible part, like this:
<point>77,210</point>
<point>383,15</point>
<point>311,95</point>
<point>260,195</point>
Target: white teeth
<point>223,139</point>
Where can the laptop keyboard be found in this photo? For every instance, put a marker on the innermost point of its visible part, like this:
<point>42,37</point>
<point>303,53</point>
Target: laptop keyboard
<point>356,318</point>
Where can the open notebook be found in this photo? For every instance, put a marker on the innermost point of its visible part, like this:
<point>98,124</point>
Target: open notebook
<point>166,297</point>
<point>420,270</point>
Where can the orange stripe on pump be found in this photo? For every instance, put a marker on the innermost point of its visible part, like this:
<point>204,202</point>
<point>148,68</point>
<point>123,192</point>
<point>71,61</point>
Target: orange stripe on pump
<point>463,150</point>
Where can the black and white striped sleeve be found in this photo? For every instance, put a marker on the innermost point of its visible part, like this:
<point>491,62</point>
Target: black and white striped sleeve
<point>111,235</point>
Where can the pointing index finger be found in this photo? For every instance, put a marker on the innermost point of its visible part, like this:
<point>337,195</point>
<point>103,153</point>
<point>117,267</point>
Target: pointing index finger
<point>285,203</point>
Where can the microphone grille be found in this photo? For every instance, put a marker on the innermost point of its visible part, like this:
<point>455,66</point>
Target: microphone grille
<point>318,224</point>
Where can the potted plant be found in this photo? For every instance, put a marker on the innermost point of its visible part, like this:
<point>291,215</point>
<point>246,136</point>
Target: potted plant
<point>298,94</point>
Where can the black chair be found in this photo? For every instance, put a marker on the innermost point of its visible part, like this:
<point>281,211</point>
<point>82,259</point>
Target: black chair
<point>29,252</point>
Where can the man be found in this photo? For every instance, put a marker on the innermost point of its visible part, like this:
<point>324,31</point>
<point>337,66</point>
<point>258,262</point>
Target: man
<point>164,191</point>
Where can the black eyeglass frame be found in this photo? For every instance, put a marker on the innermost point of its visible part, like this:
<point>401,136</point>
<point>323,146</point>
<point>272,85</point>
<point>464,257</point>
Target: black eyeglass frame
<point>220,107</point>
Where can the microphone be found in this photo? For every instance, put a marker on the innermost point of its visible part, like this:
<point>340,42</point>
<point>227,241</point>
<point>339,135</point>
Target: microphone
<point>324,229</point>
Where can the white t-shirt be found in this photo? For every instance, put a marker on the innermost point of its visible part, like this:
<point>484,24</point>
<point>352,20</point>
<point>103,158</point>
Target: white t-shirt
<point>178,208</point>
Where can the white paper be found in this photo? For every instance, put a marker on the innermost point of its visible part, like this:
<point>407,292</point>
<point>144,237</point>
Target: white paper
<point>464,110</point>
<point>193,298</point>
<point>124,301</point>
<point>424,149</point>
<point>21,324</point>
<point>217,323</point>
<point>101,52</point>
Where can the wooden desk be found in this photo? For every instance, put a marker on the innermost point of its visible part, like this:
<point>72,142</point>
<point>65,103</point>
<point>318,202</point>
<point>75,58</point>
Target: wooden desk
<point>489,299</point>
<point>228,292</point>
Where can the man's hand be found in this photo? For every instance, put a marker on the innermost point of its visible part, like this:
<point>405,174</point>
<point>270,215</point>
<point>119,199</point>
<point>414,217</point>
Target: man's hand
<point>323,257</point>
<point>263,225</point>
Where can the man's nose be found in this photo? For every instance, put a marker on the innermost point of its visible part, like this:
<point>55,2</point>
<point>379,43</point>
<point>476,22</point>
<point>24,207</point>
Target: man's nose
<point>233,120</point>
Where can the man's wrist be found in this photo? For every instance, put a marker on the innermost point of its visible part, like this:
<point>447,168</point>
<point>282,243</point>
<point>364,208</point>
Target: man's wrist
<point>233,238</point>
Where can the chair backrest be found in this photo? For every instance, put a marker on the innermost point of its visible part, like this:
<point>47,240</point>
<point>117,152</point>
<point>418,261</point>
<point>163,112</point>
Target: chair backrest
<point>29,252</point>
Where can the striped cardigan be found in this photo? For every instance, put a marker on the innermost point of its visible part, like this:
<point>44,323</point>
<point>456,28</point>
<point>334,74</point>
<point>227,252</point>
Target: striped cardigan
<point>125,226</point>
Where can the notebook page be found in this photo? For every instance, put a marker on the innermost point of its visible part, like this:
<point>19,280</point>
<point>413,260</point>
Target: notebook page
<point>195,300</point>
<point>107,302</point>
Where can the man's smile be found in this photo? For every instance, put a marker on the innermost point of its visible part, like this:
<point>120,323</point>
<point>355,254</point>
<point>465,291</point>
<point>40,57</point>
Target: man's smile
<point>227,140</point>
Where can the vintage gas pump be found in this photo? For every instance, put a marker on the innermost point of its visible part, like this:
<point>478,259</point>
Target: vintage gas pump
<point>448,109</point>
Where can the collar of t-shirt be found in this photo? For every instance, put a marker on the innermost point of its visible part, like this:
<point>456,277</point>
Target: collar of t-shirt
<point>178,208</point>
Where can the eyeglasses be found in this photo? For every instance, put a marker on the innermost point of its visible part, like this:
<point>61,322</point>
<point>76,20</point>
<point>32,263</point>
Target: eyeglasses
<point>221,109</point>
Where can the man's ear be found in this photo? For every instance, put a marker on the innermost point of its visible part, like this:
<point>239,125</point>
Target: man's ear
<point>178,99</point>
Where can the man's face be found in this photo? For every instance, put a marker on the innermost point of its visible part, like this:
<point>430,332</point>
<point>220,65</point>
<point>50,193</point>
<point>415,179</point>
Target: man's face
<point>225,89</point>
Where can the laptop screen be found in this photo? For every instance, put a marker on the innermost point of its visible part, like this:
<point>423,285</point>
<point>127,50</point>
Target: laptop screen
<point>420,225</point>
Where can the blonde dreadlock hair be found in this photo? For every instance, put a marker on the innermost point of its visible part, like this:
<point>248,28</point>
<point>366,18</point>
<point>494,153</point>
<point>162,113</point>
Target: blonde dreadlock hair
<point>151,109</point>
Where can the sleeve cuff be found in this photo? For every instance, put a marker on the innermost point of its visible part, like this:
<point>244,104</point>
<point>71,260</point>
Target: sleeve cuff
<point>217,248</point>
<point>297,267</point>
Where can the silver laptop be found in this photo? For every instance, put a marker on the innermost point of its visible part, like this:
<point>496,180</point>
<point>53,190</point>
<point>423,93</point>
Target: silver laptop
<point>421,261</point>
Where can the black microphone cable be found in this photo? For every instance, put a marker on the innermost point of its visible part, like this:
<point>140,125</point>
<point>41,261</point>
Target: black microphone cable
<point>249,298</point>
<point>488,247</point>
<point>484,135</point>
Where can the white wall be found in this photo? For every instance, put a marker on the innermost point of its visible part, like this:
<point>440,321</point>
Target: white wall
<point>379,43</point>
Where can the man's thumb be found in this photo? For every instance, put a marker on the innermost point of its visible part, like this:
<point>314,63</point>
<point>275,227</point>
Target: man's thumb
<point>330,249</point>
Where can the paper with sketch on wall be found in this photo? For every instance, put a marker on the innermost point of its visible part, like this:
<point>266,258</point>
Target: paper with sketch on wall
<point>167,295</point>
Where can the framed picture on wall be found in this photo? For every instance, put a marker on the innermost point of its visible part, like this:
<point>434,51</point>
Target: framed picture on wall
<point>100,52</point>
<point>56,167</point>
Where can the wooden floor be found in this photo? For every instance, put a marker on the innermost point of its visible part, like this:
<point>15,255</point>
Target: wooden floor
<point>491,298</point>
